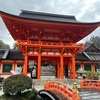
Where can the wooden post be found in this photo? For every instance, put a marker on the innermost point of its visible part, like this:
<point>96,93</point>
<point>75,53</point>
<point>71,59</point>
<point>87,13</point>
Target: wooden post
<point>39,66</point>
<point>25,69</point>
<point>62,67</point>
<point>14,65</point>
<point>93,67</point>
<point>73,67</point>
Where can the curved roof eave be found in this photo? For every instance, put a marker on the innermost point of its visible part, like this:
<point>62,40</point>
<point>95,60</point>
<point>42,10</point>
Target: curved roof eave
<point>69,21</point>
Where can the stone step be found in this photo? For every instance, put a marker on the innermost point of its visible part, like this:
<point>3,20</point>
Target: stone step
<point>90,98</point>
<point>87,90</point>
<point>45,73</point>
<point>89,95</point>
<point>49,74</point>
<point>52,78</point>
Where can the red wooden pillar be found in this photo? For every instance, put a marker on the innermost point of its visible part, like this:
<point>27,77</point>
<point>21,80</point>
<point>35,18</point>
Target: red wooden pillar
<point>73,67</point>
<point>93,67</point>
<point>58,69</point>
<point>39,66</point>
<point>14,65</point>
<point>62,66</point>
<point>25,69</point>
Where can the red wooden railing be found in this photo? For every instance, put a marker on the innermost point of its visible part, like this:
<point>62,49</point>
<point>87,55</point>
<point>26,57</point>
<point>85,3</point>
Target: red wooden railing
<point>49,43</point>
<point>62,88</point>
<point>90,84</point>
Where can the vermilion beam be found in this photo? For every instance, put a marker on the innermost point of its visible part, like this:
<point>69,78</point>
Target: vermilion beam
<point>25,65</point>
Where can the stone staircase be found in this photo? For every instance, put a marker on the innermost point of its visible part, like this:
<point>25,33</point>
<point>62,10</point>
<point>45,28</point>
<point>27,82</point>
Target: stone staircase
<point>89,94</point>
<point>47,71</point>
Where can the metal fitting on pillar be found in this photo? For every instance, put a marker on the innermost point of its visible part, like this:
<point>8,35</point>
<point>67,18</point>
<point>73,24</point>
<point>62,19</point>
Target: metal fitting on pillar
<point>75,86</point>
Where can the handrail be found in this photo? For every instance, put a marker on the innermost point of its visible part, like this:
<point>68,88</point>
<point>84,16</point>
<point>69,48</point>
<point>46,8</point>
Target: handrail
<point>65,90</point>
<point>92,84</point>
<point>51,43</point>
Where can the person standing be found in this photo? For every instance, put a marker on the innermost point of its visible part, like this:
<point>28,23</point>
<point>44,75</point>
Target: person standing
<point>33,72</point>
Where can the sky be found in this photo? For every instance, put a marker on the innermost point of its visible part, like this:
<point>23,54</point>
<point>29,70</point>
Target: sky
<point>83,10</point>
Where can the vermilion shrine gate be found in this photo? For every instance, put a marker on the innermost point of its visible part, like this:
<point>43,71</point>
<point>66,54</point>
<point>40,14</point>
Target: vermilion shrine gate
<point>48,37</point>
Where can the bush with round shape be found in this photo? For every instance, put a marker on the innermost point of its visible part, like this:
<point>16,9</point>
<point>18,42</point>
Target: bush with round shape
<point>15,84</point>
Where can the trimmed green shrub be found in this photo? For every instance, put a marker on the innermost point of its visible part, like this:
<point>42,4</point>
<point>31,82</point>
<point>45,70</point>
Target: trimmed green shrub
<point>30,95</point>
<point>92,75</point>
<point>15,84</point>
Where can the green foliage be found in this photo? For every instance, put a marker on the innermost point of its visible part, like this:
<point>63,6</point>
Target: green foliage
<point>3,45</point>
<point>15,46</point>
<point>15,84</point>
<point>92,75</point>
<point>94,39</point>
<point>30,95</point>
<point>19,87</point>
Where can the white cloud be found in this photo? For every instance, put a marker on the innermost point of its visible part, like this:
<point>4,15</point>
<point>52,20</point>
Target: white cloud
<point>97,17</point>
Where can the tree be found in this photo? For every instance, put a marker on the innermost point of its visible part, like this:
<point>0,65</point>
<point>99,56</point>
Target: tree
<point>14,46</point>
<point>15,84</point>
<point>3,45</point>
<point>94,39</point>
